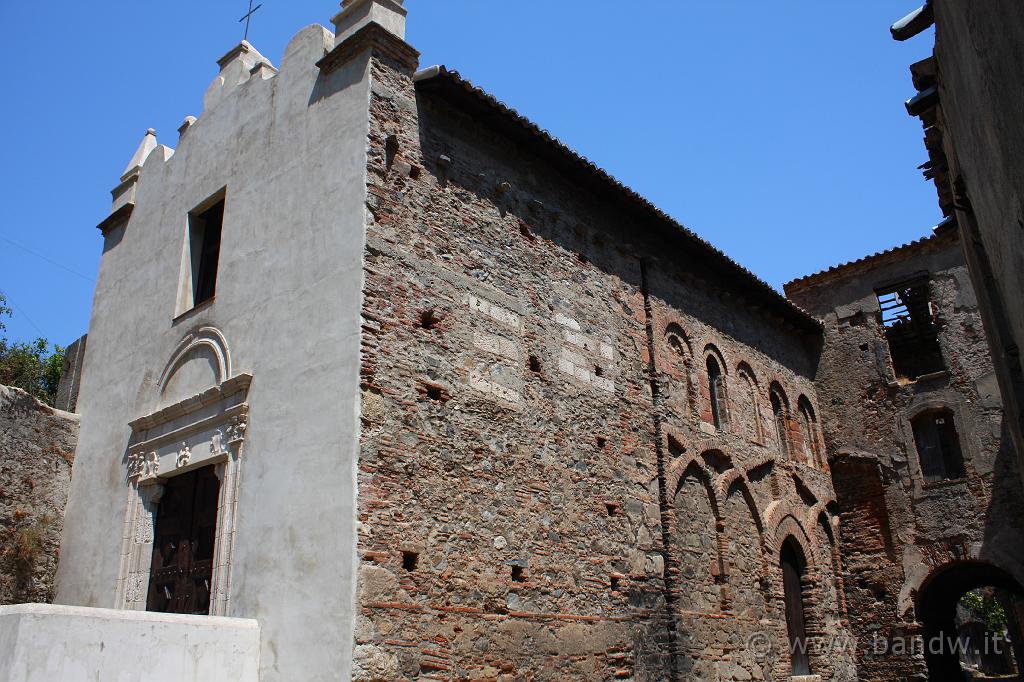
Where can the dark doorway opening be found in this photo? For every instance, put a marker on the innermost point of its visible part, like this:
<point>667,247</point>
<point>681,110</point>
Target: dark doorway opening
<point>793,569</point>
<point>186,528</point>
<point>938,445</point>
<point>953,606</point>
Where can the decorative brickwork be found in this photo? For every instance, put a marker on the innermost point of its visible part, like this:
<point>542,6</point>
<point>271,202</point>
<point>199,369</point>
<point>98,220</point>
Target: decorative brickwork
<point>901,533</point>
<point>573,510</point>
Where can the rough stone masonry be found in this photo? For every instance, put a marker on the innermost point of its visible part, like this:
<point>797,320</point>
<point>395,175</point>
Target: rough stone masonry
<point>548,488</point>
<point>466,408</point>
<point>37,446</point>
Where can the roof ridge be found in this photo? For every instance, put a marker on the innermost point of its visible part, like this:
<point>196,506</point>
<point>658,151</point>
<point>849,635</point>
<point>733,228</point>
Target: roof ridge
<point>766,289</point>
<point>863,259</point>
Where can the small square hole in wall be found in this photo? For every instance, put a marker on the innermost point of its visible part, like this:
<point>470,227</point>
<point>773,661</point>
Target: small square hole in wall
<point>430,318</point>
<point>410,560</point>
<point>433,391</point>
<point>390,150</point>
<point>602,441</point>
<point>615,582</point>
<point>534,364</point>
<point>518,575</point>
<point>598,371</point>
<point>612,508</point>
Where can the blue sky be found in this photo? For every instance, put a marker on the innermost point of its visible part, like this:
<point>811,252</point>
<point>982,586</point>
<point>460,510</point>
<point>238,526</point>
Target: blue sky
<point>775,130</point>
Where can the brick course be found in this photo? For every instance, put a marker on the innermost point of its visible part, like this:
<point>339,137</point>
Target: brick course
<point>537,430</point>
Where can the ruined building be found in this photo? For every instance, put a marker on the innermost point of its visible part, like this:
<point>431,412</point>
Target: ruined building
<point>921,458</point>
<point>410,390</point>
<point>970,104</point>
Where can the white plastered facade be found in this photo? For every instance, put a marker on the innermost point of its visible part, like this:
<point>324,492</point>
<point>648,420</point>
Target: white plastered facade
<point>260,382</point>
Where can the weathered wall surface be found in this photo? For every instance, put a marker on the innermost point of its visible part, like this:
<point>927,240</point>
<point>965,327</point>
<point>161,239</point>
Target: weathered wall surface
<point>45,643</point>
<point>898,530</point>
<point>531,506</point>
<point>979,47</point>
<point>71,375</point>
<point>37,445</point>
<point>288,148</point>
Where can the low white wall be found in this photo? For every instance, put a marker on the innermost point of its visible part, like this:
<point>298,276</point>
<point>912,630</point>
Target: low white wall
<point>44,643</point>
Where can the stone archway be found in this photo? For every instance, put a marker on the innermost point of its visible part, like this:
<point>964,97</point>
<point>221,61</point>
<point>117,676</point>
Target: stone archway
<point>793,564</point>
<point>936,608</point>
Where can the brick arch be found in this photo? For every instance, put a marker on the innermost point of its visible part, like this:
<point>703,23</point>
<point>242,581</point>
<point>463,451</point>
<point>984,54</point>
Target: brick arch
<point>678,470</point>
<point>717,453</point>
<point>704,563</point>
<point>745,376</point>
<point>808,436</point>
<point>786,428</point>
<point>776,385</point>
<point>818,510</point>
<point>732,478</point>
<point>685,364</point>
<point>783,521</point>
<point>743,549</point>
<point>709,354</point>
<point>725,481</point>
<point>711,349</point>
<point>1004,555</point>
<point>676,329</point>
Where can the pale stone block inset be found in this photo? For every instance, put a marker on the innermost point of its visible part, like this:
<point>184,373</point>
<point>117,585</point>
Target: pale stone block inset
<point>495,312</point>
<point>484,382</point>
<point>498,345</point>
<point>566,321</point>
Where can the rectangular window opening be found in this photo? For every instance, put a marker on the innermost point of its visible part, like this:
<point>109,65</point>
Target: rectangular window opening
<point>204,232</point>
<point>938,446</point>
<point>908,319</point>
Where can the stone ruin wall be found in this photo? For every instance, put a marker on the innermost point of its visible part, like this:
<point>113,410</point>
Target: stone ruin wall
<point>897,529</point>
<point>513,449</point>
<point>37,448</point>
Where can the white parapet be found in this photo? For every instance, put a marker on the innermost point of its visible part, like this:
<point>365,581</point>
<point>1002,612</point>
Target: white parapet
<point>50,643</point>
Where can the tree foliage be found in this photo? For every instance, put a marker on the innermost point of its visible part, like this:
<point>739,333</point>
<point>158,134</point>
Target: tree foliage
<point>990,611</point>
<point>34,367</point>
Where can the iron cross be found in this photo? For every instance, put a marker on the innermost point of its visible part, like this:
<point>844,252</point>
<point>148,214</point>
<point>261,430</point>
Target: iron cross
<point>248,16</point>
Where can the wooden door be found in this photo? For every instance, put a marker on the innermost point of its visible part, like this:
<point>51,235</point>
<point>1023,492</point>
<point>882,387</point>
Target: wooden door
<point>186,528</point>
<point>791,570</point>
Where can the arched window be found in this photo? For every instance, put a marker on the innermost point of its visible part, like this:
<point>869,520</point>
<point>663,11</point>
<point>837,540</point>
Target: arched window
<point>716,391</point>
<point>809,431</point>
<point>746,400</point>
<point>679,389</point>
<point>938,445</point>
<point>779,419</point>
<point>794,566</point>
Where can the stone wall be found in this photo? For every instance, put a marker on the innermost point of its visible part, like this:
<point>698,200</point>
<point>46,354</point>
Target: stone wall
<point>71,375</point>
<point>900,531</point>
<point>542,492</point>
<point>979,49</point>
<point>37,445</point>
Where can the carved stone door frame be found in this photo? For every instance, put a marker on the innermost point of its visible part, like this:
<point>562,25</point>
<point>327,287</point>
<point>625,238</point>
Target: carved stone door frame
<point>204,430</point>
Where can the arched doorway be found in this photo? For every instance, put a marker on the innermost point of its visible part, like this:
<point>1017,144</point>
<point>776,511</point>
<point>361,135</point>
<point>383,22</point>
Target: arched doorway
<point>948,644</point>
<point>794,566</point>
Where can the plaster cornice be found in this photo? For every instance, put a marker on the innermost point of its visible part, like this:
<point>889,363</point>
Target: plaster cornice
<point>372,36</point>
